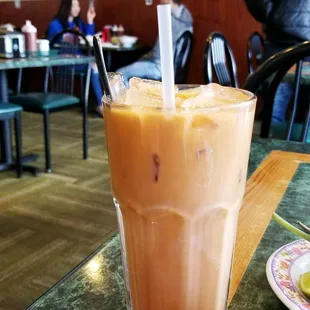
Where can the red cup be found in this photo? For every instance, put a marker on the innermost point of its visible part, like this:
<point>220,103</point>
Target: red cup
<point>106,34</point>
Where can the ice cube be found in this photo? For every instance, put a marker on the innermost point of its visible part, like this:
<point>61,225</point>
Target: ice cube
<point>213,95</point>
<point>118,87</point>
<point>144,93</point>
<point>189,92</point>
<point>225,94</point>
<point>150,88</point>
<point>144,85</point>
<point>136,97</point>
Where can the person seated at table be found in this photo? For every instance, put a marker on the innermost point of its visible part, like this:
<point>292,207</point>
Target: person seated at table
<point>68,17</point>
<point>285,23</point>
<point>148,66</point>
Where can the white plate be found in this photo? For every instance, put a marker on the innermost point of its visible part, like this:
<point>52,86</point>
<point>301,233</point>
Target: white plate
<point>109,45</point>
<point>284,268</point>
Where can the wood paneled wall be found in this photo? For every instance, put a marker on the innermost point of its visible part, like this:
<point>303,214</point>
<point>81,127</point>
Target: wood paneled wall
<point>229,17</point>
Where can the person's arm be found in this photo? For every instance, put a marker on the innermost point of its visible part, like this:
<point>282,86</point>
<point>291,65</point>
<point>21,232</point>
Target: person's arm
<point>260,9</point>
<point>54,28</point>
<point>181,16</point>
<point>87,29</point>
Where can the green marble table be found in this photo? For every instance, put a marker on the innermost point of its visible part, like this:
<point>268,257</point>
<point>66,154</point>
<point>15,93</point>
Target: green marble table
<point>53,59</point>
<point>97,282</point>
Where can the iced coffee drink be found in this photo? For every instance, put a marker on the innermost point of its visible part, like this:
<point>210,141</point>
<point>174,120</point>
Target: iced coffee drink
<point>178,178</point>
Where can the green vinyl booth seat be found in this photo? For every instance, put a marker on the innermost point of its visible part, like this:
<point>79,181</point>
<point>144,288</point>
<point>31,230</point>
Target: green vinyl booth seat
<point>46,103</point>
<point>6,108</point>
<point>39,102</point>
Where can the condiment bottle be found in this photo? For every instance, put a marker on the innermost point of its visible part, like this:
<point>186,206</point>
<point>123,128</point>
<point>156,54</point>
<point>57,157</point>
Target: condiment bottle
<point>121,30</point>
<point>106,34</point>
<point>30,32</point>
<point>114,38</point>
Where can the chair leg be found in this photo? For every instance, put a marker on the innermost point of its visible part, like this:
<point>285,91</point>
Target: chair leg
<point>19,81</point>
<point>85,132</point>
<point>47,140</point>
<point>18,142</point>
<point>82,87</point>
<point>295,102</point>
<point>306,127</point>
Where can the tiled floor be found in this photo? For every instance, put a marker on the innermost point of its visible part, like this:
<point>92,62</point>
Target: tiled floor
<point>50,223</point>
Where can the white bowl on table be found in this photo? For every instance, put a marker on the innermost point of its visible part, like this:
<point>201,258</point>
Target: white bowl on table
<point>128,41</point>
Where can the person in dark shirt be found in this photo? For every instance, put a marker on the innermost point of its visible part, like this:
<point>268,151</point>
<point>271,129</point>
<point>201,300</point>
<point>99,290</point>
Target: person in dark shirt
<point>285,23</point>
<point>68,17</point>
<point>149,65</point>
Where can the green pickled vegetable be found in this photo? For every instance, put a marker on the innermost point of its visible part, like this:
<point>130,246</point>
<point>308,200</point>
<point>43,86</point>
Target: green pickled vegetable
<point>290,227</point>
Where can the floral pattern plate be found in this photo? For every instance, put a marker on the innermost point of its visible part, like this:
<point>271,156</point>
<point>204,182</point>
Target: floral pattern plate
<point>284,268</point>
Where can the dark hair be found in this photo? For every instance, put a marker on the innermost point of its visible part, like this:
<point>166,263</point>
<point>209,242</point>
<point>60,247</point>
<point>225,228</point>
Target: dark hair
<point>64,12</point>
<point>177,1</point>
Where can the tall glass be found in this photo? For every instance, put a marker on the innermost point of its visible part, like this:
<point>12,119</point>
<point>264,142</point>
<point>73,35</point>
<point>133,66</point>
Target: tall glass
<point>178,180</point>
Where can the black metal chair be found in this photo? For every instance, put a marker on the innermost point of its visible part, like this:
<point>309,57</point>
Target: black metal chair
<point>272,72</point>
<point>255,49</point>
<point>10,111</point>
<point>81,75</point>
<point>68,42</point>
<point>219,59</point>
<point>84,49</point>
<point>182,54</point>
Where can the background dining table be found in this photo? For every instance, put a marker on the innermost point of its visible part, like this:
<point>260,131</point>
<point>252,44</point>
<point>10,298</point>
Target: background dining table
<point>53,59</point>
<point>118,56</point>
<point>278,179</point>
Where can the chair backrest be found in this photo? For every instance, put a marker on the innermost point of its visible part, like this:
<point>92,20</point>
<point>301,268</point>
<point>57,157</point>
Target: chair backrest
<point>219,58</point>
<point>255,49</point>
<point>270,74</point>
<point>67,42</point>
<point>182,53</point>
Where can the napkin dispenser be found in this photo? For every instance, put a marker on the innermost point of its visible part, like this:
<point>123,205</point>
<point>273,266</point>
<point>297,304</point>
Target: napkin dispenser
<point>12,45</point>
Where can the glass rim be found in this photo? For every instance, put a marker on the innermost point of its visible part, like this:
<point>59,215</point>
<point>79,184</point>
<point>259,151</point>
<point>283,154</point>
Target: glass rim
<point>252,98</point>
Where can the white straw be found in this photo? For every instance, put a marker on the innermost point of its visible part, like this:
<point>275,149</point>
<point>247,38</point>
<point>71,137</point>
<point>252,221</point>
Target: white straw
<point>166,54</point>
